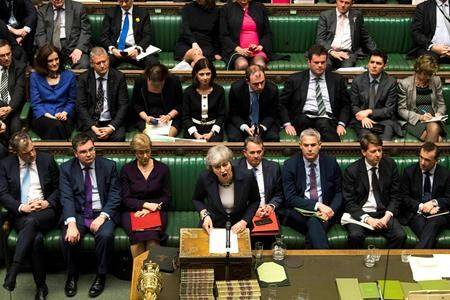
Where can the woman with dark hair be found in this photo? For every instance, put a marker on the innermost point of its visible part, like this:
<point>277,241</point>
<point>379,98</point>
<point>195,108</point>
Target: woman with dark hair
<point>420,98</point>
<point>145,189</point>
<point>53,92</point>
<point>225,193</point>
<point>199,31</point>
<point>204,104</point>
<point>158,97</point>
<point>245,34</point>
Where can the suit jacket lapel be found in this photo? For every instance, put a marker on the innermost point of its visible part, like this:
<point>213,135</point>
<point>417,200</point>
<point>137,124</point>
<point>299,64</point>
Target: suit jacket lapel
<point>40,169</point>
<point>109,90</point>
<point>330,88</point>
<point>92,88</point>
<point>364,175</point>
<point>433,16</point>
<point>11,80</point>
<point>437,173</point>
<point>302,173</point>
<point>267,179</point>
<point>323,176</point>
<point>333,22</point>
<point>352,27</point>
<point>50,20</point>
<point>69,18</point>
<point>15,174</point>
<point>99,177</point>
<point>381,84</point>
<point>135,24</point>
<point>238,177</point>
<point>79,178</point>
<point>304,89</point>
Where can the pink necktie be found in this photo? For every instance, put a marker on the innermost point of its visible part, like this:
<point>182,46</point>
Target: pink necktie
<point>339,32</point>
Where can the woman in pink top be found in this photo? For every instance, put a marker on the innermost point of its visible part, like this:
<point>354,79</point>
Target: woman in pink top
<point>245,34</point>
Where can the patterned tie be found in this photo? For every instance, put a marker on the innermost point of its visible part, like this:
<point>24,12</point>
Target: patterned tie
<point>254,109</point>
<point>313,194</point>
<point>99,99</point>
<point>25,185</point>
<point>254,170</point>
<point>56,38</point>
<point>4,86</point>
<point>426,187</point>
<point>88,213</point>
<point>321,111</point>
<point>372,93</point>
<point>376,188</point>
<point>124,32</point>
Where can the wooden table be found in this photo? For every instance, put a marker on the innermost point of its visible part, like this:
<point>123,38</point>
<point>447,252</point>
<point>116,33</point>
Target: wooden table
<point>316,275</point>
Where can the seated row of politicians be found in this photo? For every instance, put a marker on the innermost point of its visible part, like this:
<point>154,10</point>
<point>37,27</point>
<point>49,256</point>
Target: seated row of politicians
<point>98,104</point>
<point>238,33</point>
<point>87,194</point>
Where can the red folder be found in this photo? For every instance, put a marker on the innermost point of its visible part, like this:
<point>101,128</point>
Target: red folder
<point>266,229</point>
<point>149,221</point>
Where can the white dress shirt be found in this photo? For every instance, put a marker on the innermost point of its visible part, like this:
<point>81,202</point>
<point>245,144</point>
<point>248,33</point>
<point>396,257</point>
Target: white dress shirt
<point>441,34</point>
<point>342,41</point>
<point>105,115</point>
<point>311,100</point>
<point>260,179</point>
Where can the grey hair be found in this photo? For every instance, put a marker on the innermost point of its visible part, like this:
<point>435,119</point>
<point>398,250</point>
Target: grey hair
<point>96,51</point>
<point>218,155</point>
<point>310,132</point>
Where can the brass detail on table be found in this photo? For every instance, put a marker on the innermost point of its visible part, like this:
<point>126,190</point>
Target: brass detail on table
<point>149,285</point>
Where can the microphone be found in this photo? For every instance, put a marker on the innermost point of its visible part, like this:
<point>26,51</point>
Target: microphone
<point>227,230</point>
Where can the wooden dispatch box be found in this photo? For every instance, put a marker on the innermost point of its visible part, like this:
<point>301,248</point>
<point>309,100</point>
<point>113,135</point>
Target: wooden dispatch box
<point>194,253</point>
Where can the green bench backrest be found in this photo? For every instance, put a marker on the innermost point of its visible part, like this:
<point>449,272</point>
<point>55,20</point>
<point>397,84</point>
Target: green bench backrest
<point>184,172</point>
<point>291,33</point>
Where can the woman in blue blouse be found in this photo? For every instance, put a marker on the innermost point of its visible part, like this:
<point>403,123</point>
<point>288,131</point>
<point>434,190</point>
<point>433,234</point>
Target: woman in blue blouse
<point>53,92</point>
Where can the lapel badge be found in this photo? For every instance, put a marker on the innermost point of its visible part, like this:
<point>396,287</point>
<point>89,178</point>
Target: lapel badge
<point>137,20</point>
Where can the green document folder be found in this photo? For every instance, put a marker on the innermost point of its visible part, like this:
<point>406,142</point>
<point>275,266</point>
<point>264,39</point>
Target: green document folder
<point>309,213</point>
<point>440,285</point>
<point>369,290</point>
<point>348,289</point>
<point>409,287</point>
<point>392,291</point>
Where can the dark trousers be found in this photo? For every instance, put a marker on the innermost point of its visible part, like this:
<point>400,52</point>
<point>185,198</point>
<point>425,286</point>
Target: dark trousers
<point>13,123</point>
<point>272,134</point>
<point>143,63</point>
<point>83,63</point>
<point>394,234</point>
<point>30,238</point>
<point>427,229</point>
<point>387,134</point>
<point>202,129</point>
<point>325,126</point>
<point>51,129</point>
<point>314,229</point>
<point>333,63</point>
<point>104,244</point>
<point>117,135</point>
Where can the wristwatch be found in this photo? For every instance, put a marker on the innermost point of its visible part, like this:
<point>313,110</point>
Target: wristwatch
<point>204,214</point>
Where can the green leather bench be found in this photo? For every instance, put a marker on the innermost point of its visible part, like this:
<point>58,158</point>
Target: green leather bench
<point>184,172</point>
<point>292,35</point>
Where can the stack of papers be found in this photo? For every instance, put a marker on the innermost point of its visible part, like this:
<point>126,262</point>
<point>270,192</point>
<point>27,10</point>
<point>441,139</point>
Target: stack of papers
<point>347,219</point>
<point>217,241</point>
<point>437,119</point>
<point>425,268</point>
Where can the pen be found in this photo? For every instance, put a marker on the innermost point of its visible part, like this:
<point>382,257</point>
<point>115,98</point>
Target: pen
<point>160,205</point>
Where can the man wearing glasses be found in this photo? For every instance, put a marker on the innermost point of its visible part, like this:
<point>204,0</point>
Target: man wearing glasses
<point>90,197</point>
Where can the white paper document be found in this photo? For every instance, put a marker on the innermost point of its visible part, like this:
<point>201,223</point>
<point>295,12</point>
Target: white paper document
<point>158,129</point>
<point>425,268</point>
<point>347,219</point>
<point>443,260</point>
<point>437,119</point>
<point>351,70</point>
<point>150,50</point>
<point>217,241</point>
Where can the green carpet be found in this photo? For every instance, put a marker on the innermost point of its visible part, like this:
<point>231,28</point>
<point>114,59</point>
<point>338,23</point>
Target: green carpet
<point>115,289</point>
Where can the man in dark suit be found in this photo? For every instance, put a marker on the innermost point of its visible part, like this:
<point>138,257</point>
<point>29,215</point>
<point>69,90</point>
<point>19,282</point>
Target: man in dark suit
<point>64,23</point>
<point>29,191</point>
<point>267,174</point>
<point>102,99</point>
<point>90,197</point>
<point>316,99</point>
<point>371,190</point>
<point>254,107</point>
<point>18,51</point>
<point>12,94</point>
<point>312,182</point>
<point>426,192</point>
<point>127,27</point>
<point>341,31</point>
<point>20,17</point>
<point>374,99</point>
<point>430,32</point>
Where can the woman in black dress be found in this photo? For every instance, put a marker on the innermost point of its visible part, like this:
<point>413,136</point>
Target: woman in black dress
<point>157,98</point>
<point>199,31</point>
<point>145,188</point>
<point>204,104</point>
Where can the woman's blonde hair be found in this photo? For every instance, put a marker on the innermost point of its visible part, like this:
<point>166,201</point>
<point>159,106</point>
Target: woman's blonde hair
<point>140,141</point>
<point>426,64</point>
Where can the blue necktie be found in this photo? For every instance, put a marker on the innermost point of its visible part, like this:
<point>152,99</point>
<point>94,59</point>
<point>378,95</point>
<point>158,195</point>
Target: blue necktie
<point>254,108</point>
<point>25,186</point>
<point>124,32</point>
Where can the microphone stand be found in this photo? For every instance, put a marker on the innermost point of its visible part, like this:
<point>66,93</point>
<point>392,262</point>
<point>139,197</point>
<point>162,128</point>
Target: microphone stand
<point>227,248</point>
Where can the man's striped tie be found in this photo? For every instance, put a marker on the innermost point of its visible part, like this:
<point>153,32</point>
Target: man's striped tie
<point>321,111</point>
